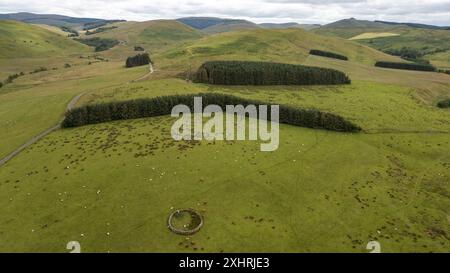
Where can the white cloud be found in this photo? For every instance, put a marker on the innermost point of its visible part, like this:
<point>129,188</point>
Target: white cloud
<point>302,11</point>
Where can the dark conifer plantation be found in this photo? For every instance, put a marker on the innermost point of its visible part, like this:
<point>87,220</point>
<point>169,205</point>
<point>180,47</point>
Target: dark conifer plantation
<point>266,73</point>
<point>138,60</point>
<point>160,106</point>
<point>328,54</point>
<point>406,66</point>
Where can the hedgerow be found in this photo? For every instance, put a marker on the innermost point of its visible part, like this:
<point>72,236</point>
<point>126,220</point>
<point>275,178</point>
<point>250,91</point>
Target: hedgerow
<point>328,54</point>
<point>160,106</point>
<point>406,66</point>
<point>100,44</point>
<point>266,73</point>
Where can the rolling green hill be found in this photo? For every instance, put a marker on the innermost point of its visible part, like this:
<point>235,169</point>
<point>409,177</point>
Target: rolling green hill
<point>52,19</point>
<point>204,22</point>
<point>154,36</point>
<point>213,25</point>
<point>427,42</point>
<point>112,186</point>
<point>289,25</point>
<point>21,40</point>
<point>209,24</point>
<point>230,26</point>
<point>285,45</point>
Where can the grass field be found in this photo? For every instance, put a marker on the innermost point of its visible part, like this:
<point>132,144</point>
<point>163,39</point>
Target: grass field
<point>37,102</point>
<point>290,45</point>
<point>25,40</point>
<point>112,186</point>
<point>373,35</point>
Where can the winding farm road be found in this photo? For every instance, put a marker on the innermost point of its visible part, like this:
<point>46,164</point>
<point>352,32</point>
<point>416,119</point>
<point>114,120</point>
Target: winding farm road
<point>70,106</point>
<point>151,70</point>
<point>35,139</point>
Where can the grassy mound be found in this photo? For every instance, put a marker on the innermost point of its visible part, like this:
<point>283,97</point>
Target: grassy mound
<point>265,73</point>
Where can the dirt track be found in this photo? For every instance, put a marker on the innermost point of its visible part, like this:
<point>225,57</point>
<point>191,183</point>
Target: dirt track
<point>35,139</point>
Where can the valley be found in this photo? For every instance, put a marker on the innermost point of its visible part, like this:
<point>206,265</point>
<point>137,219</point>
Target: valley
<point>111,186</point>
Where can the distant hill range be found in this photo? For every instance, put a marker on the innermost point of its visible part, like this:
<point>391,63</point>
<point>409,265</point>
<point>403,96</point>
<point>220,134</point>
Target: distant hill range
<point>213,25</point>
<point>355,23</point>
<point>352,27</point>
<point>55,20</point>
<point>414,25</point>
<point>412,41</point>
<point>289,25</point>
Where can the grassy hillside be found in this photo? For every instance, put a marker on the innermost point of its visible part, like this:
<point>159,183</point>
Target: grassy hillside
<point>212,25</point>
<point>349,28</point>
<point>230,26</point>
<point>217,25</point>
<point>54,29</point>
<point>112,186</point>
<point>154,36</point>
<point>20,40</point>
<point>34,103</point>
<point>441,59</point>
<point>389,37</point>
<point>310,193</point>
<point>51,19</point>
<point>427,42</point>
<point>289,45</point>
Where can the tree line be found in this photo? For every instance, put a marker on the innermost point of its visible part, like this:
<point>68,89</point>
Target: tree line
<point>328,54</point>
<point>100,30</point>
<point>72,32</point>
<point>407,53</point>
<point>406,66</point>
<point>99,23</point>
<point>161,106</point>
<point>11,78</point>
<point>266,73</point>
<point>444,71</point>
<point>138,60</point>
<point>100,44</point>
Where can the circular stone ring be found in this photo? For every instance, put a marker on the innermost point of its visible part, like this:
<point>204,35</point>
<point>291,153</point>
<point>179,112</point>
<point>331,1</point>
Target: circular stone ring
<point>193,227</point>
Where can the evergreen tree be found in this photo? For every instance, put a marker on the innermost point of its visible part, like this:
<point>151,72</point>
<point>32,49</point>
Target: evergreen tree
<point>266,73</point>
<point>406,66</point>
<point>98,113</point>
<point>138,60</point>
<point>328,54</point>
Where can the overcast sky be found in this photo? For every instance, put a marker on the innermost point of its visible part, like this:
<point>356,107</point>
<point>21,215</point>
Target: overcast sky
<point>302,11</point>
